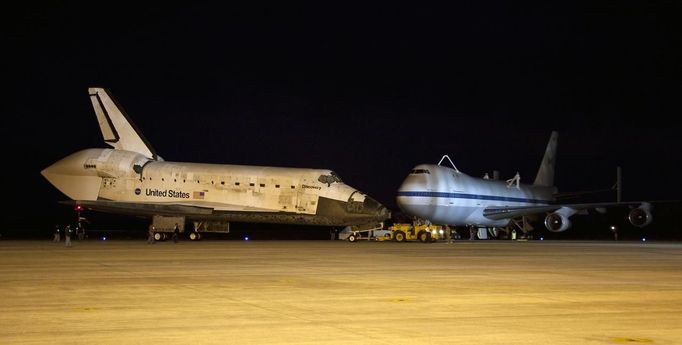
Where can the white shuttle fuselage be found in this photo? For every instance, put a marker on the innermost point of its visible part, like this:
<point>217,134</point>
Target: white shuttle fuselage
<point>132,179</point>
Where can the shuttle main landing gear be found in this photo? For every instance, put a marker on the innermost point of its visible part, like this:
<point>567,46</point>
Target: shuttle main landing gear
<point>194,236</point>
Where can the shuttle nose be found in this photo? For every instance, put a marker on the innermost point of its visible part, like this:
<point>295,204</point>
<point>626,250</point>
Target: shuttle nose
<point>379,211</point>
<point>362,206</point>
<point>351,207</point>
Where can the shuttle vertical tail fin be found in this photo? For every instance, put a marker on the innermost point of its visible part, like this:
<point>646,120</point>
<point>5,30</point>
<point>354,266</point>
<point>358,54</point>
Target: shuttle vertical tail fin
<point>545,176</point>
<point>117,128</point>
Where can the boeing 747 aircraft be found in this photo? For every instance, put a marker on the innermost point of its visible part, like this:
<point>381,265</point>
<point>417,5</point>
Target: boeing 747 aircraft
<point>445,195</point>
<point>131,178</point>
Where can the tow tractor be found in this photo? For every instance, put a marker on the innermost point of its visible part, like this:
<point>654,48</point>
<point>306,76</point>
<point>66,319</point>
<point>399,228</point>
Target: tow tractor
<point>399,232</point>
<point>403,232</point>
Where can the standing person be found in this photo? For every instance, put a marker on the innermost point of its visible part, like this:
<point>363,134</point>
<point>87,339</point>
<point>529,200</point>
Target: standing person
<point>152,229</point>
<point>448,233</point>
<point>80,231</point>
<point>67,235</point>
<point>57,234</point>
<point>176,233</point>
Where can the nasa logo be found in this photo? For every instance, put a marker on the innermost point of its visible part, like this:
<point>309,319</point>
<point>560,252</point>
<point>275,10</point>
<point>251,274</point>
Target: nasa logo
<point>138,191</point>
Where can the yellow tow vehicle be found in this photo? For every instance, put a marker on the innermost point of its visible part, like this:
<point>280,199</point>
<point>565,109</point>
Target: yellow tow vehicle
<point>402,232</point>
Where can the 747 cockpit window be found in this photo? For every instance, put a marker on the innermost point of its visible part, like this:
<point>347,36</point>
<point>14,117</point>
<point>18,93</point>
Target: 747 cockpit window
<point>329,179</point>
<point>420,171</point>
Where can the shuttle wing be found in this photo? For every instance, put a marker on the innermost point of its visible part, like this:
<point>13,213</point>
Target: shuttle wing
<point>150,209</point>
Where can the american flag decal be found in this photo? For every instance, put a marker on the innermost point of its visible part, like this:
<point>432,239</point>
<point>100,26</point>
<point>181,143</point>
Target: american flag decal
<point>198,195</point>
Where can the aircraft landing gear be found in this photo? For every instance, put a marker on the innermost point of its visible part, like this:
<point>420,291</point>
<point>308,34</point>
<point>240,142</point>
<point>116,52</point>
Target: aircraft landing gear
<point>194,236</point>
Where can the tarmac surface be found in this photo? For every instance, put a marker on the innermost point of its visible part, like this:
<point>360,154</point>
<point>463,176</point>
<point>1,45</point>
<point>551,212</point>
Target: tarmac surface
<point>324,292</point>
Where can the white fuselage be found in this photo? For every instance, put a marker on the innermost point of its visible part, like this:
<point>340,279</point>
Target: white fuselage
<point>445,196</point>
<point>132,179</point>
<point>233,192</point>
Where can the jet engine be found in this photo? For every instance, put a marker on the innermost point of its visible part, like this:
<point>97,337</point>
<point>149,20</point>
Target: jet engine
<point>556,222</point>
<point>640,217</point>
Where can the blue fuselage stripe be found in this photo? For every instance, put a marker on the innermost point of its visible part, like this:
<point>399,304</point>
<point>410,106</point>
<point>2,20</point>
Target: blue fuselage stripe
<point>473,196</point>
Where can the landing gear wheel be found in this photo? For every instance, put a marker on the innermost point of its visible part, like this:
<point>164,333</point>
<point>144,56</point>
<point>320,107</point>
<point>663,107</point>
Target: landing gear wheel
<point>399,236</point>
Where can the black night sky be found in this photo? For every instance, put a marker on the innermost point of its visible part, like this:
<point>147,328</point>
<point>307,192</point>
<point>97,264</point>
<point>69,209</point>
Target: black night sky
<point>366,91</point>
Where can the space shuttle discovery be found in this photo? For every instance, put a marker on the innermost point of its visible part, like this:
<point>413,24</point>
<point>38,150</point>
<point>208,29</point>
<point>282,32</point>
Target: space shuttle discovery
<point>131,178</point>
<point>445,195</point>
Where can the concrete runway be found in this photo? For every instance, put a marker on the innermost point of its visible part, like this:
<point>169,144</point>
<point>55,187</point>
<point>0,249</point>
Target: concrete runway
<point>317,292</point>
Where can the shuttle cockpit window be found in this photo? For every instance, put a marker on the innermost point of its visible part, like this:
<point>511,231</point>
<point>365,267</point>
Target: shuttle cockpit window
<point>329,179</point>
<point>420,171</point>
